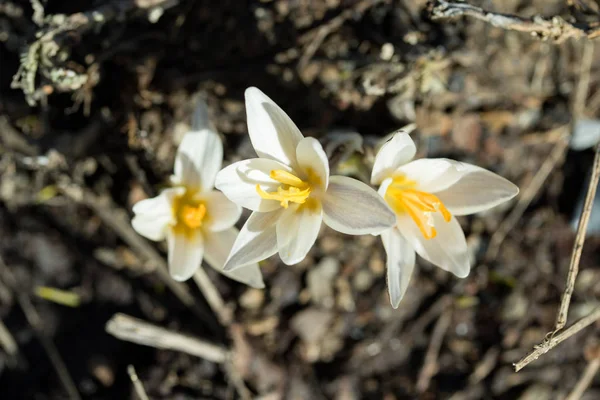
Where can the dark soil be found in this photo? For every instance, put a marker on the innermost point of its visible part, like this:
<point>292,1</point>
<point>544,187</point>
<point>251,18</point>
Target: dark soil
<point>101,106</point>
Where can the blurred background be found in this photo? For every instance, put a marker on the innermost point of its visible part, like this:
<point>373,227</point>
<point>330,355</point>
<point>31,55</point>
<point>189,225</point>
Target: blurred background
<point>95,96</point>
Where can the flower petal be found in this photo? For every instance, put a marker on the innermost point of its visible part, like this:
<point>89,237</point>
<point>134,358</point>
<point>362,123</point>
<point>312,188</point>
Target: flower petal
<point>272,132</point>
<point>238,182</point>
<point>448,250</point>
<point>185,255</point>
<point>397,151</point>
<point>153,216</point>
<point>199,158</point>
<point>297,231</point>
<point>431,174</point>
<point>257,240</point>
<point>352,207</point>
<point>200,119</point>
<point>476,190</point>
<point>217,248</point>
<point>384,186</point>
<point>313,160</point>
<point>221,212</point>
<point>400,264</point>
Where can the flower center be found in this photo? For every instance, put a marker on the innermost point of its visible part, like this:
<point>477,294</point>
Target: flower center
<point>403,198</point>
<point>189,212</point>
<point>192,216</point>
<point>291,189</point>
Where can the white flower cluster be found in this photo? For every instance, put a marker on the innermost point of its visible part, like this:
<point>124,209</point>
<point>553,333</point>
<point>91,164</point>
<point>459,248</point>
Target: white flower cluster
<point>290,192</point>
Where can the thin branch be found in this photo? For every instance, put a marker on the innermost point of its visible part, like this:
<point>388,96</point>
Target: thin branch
<point>213,297</point>
<point>315,37</point>
<point>485,366</point>
<point>552,341</point>
<point>553,28</point>
<point>137,384</point>
<point>125,327</point>
<point>137,331</point>
<point>584,219</point>
<point>430,366</point>
<point>581,93</point>
<point>117,220</point>
<point>237,381</point>
<point>35,321</point>
<point>8,343</point>
<point>585,380</point>
<point>561,318</point>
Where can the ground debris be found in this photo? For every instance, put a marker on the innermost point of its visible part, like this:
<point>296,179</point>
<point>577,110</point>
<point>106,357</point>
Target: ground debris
<point>105,92</point>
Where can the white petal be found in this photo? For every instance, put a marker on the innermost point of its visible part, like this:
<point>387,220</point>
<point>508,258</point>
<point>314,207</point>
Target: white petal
<point>272,132</point>
<point>400,264</point>
<point>384,186</point>
<point>431,174</point>
<point>185,255</point>
<point>297,231</point>
<point>352,207</point>
<point>153,229</point>
<point>238,182</point>
<point>257,240</point>
<point>476,190</point>
<point>199,158</point>
<point>153,216</point>
<point>397,151</point>
<point>221,212</point>
<point>312,157</point>
<point>448,250</point>
<point>217,248</point>
<point>200,119</point>
<point>158,204</point>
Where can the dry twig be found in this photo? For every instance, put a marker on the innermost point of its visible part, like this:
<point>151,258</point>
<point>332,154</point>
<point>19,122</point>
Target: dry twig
<point>35,321</point>
<point>552,341</point>
<point>584,219</point>
<point>583,84</point>
<point>553,28</point>
<point>8,343</point>
<point>483,368</point>
<point>315,37</point>
<point>117,220</point>
<point>585,380</point>
<point>213,297</point>
<point>137,384</point>
<point>430,366</point>
<point>134,330</point>
<point>137,331</point>
<point>365,363</point>
<point>561,318</point>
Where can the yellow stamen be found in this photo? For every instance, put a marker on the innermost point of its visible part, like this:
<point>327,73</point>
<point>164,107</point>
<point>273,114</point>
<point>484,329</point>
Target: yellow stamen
<point>292,189</point>
<point>287,178</point>
<point>192,216</point>
<point>402,197</point>
<point>189,212</point>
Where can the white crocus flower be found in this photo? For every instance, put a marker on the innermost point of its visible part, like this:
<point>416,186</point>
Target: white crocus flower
<point>197,221</point>
<point>426,194</point>
<point>290,191</point>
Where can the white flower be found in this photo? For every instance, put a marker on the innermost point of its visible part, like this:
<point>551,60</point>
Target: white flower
<point>290,191</point>
<point>197,221</point>
<point>426,194</point>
